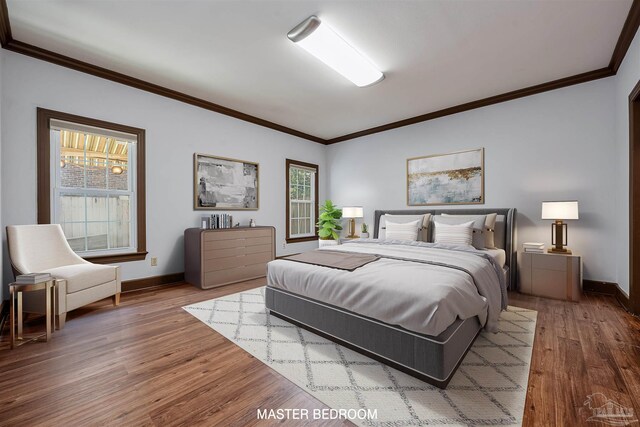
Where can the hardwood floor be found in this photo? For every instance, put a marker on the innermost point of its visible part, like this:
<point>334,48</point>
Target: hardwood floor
<point>580,349</point>
<point>148,362</point>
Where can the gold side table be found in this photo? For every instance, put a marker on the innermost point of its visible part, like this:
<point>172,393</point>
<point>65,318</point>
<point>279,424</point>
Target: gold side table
<point>16,290</point>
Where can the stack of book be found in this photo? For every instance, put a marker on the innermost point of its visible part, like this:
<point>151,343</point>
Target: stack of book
<point>33,278</point>
<point>217,221</point>
<point>533,247</point>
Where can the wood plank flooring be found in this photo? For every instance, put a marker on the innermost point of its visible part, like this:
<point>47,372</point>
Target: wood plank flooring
<point>149,363</point>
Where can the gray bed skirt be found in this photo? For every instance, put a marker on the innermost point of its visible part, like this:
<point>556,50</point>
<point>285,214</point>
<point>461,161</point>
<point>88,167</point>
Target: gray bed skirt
<point>433,359</point>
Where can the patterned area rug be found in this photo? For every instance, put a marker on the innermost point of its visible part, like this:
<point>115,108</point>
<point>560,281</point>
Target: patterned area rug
<point>489,388</point>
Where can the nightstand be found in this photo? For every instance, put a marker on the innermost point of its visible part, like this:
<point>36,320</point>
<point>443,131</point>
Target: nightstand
<point>551,275</point>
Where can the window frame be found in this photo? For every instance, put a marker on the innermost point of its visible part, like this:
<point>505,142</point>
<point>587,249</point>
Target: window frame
<point>288,238</point>
<point>45,189</point>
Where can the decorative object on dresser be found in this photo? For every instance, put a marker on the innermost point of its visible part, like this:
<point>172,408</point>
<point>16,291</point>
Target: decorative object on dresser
<point>351,213</point>
<point>220,257</point>
<point>222,183</point>
<point>365,231</point>
<point>217,221</point>
<point>559,211</point>
<point>446,179</point>
<point>551,275</point>
<point>329,224</point>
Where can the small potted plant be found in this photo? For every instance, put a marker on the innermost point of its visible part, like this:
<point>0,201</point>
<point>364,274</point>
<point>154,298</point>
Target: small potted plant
<point>365,231</point>
<point>329,224</point>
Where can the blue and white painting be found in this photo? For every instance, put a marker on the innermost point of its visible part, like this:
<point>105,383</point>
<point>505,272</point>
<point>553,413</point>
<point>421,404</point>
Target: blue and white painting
<point>455,178</point>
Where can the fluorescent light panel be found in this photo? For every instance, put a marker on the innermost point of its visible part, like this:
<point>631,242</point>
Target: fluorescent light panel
<point>317,38</point>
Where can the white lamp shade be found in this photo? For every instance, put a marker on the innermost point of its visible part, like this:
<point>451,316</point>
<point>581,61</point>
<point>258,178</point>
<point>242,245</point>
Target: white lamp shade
<point>560,210</point>
<point>352,212</point>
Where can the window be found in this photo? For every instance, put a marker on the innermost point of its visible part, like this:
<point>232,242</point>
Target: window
<point>302,201</point>
<point>91,182</point>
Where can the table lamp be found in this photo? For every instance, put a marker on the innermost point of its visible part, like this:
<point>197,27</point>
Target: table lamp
<point>352,212</point>
<point>559,211</point>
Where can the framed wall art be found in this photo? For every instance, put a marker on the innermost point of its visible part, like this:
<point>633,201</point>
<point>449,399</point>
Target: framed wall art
<point>446,179</point>
<point>220,183</point>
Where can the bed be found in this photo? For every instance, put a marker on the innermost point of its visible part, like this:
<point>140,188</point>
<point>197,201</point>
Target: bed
<point>381,309</point>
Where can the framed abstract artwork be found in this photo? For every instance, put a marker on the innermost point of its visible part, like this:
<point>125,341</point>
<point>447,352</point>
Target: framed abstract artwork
<point>446,179</point>
<point>220,183</point>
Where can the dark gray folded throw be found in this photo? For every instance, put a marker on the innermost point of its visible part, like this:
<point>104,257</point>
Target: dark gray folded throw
<point>334,259</point>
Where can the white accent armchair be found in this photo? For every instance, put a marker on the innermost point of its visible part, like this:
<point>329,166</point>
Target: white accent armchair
<point>44,249</point>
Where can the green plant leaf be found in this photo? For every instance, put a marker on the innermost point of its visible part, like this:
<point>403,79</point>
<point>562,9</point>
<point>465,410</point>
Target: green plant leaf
<point>324,233</point>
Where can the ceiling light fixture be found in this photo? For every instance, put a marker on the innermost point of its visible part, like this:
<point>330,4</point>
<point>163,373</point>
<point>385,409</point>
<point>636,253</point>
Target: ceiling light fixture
<point>117,170</point>
<point>324,43</point>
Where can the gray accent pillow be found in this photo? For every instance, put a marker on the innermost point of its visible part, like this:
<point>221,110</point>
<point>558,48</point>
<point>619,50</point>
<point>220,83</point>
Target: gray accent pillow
<point>489,228</point>
<point>478,226</point>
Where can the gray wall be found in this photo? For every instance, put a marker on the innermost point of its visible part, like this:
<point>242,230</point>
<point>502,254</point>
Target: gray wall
<point>174,132</point>
<point>565,144</point>
<point>552,146</point>
<point>626,79</point>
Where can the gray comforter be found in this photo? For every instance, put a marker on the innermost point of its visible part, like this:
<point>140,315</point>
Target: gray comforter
<point>422,287</point>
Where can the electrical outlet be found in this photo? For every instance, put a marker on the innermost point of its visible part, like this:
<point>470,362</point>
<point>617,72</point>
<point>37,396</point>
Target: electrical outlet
<point>154,261</point>
<point>284,245</point>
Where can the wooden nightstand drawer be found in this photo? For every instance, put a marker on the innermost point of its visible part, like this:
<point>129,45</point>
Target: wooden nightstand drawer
<point>550,262</point>
<point>551,275</point>
<point>550,283</point>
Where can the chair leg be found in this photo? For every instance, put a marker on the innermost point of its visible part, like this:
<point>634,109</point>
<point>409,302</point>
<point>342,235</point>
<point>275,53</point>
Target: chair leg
<point>62,317</point>
<point>116,299</point>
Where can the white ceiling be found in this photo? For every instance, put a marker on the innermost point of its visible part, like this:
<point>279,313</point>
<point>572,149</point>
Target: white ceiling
<point>435,53</point>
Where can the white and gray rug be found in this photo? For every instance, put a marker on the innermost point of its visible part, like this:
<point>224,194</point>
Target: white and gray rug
<point>489,388</point>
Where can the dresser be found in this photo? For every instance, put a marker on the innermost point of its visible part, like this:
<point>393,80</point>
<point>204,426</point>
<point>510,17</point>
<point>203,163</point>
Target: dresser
<point>551,275</point>
<point>219,257</point>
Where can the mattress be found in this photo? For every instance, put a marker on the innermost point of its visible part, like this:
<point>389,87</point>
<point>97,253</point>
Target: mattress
<point>431,358</point>
<point>499,255</point>
<point>420,287</point>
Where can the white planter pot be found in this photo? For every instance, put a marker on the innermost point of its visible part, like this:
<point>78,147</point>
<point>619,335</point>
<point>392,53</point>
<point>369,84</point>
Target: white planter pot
<point>323,243</point>
<point>364,235</point>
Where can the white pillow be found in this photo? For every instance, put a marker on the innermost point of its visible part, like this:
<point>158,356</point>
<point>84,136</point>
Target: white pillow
<point>402,231</point>
<point>459,234</point>
<point>489,228</point>
<point>423,230</point>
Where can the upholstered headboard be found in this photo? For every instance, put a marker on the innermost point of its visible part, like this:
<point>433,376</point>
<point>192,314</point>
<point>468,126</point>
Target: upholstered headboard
<point>505,230</point>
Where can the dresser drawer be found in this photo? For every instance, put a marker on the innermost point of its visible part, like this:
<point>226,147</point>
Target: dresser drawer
<point>224,244</point>
<point>240,250</point>
<point>236,261</point>
<point>236,234</point>
<point>550,262</point>
<point>231,275</point>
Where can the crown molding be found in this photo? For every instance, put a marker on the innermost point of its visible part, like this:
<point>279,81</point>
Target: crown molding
<point>520,93</point>
<point>627,34</point>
